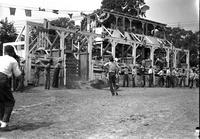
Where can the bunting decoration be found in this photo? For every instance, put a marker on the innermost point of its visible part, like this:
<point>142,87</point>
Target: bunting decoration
<point>28,12</point>
<point>12,11</point>
<point>40,9</point>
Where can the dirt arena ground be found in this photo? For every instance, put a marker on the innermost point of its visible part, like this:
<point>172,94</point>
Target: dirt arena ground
<point>137,113</point>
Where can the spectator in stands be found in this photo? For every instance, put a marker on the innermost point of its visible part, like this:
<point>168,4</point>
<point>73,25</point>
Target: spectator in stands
<point>8,67</point>
<point>93,25</point>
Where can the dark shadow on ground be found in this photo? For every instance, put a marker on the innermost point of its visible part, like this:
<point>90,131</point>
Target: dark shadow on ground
<point>28,126</point>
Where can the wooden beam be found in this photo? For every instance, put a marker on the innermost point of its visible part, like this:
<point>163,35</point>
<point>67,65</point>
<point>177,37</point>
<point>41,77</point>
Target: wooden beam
<point>48,40</point>
<point>28,61</point>
<point>20,34</point>
<point>51,47</point>
<point>127,50</point>
<point>35,45</point>
<point>30,23</point>
<point>14,43</point>
<point>107,46</point>
<point>92,34</point>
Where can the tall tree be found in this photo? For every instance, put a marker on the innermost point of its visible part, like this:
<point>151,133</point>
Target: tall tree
<point>189,40</point>
<point>132,7</point>
<point>7,33</point>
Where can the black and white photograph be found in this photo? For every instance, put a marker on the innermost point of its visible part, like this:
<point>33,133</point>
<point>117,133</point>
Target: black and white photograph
<point>99,69</point>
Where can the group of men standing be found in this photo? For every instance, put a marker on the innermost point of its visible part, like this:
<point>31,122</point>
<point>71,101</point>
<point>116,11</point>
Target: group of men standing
<point>39,67</point>
<point>165,77</point>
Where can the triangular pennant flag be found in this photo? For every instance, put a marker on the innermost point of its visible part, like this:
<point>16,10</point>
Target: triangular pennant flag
<point>70,15</point>
<point>41,9</point>
<point>12,11</point>
<point>55,11</point>
<point>28,12</point>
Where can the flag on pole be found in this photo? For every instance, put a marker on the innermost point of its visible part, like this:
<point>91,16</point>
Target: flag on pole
<point>28,12</point>
<point>12,11</point>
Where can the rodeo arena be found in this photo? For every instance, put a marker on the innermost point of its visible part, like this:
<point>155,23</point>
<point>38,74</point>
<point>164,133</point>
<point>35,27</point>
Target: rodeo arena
<point>57,61</point>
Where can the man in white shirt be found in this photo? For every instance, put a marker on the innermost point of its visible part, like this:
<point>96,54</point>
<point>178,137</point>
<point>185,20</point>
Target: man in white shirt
<point>9,66</point>
<point>191,78</point>
<point>134,74</point>
<point>168,78</point>
<point>112,70</point>
<point>150,72</point>
<point>161,78</point>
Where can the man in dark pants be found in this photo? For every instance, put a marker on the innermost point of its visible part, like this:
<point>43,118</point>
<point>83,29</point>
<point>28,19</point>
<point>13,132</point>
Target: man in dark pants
<point>191,78</point>
<point>183,76</point>
<point>134,73</point>
<point>161,78</point>
<point>21,79</point>
<point>173,78</point>
<point>112,72</point>
<point>126,77</point>
<point>56,74</point>
<point>38,69</point>
<point>150,72</point>
<point>143,75</point>
<point>168,78</point>
<point>9,66</point>
<point>47,75</point>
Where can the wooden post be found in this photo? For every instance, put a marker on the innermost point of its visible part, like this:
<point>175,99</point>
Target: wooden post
<point>143,28</point>
<point>88,23</point>
<point>102,49</point>
<point>116,20</point>
<point>28,61</point>
<point>167,57</point>
<point>188,65</point>
<point>134,47</point>
<point>113,45</point>
<point>146,29</point>
<point>130,27</point>
<point>174,60</point>
<point>154,27</point>
<point>164,33</point>
<point>90,58</point>
<point>152,55</point>
<point>123,22</point>
<point>62,73</point>
<point>152,58</point>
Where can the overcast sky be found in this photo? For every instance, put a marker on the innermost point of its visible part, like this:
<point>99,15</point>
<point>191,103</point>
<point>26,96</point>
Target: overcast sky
<point>184,13</point>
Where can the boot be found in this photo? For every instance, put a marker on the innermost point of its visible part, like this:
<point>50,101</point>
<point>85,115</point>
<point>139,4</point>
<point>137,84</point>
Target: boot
<point>7,114</point>
<point>1,111</point>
